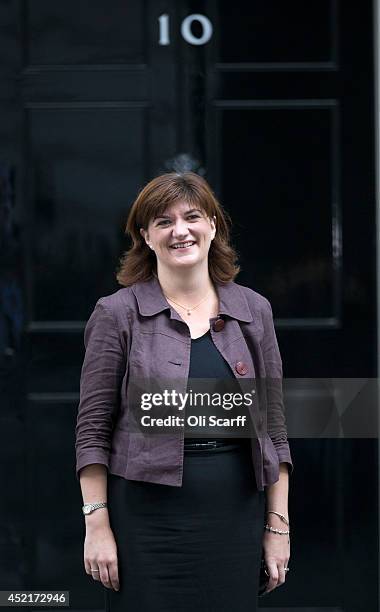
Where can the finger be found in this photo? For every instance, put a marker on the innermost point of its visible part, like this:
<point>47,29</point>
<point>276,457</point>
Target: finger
<point>87,567</point>
<point>95,573</point>
<point>104,576</point>
<point>114,575</point>
<point>273,576</point>
<point>88,564</point>
<point>281,575</point>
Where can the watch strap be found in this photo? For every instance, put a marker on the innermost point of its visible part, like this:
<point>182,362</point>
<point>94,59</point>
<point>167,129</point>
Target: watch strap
<point>88,508</point>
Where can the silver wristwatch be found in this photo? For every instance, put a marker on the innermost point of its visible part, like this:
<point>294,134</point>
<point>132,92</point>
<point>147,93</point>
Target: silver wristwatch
<point>88,508</point>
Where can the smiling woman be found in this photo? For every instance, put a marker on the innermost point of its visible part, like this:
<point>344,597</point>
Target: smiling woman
<point>184,233</point>
<point>184,527</point>
<point>185,204</point>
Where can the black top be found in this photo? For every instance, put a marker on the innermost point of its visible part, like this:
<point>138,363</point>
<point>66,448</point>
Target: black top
<point>207,362</point>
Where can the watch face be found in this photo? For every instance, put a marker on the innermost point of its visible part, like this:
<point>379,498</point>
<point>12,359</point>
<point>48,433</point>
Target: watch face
<point>87,509</point>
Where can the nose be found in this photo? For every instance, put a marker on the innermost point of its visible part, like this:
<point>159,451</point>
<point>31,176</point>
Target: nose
<point>180,229</point>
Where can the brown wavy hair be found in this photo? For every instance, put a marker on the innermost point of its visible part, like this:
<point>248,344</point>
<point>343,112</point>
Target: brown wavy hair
<point>139,262</point>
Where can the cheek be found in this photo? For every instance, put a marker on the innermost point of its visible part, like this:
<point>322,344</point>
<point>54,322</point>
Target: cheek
<point>163,246</point>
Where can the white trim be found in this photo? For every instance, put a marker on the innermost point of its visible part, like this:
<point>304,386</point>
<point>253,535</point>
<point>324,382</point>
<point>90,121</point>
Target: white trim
<point>376,46</point>
<point>377,158</point>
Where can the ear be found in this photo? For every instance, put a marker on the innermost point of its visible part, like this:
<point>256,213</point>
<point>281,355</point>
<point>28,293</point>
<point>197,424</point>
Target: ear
<point>213,226</point>
<point>144,234</point>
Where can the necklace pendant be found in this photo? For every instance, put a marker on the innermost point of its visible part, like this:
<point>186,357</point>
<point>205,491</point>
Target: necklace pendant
<point>188,313</point>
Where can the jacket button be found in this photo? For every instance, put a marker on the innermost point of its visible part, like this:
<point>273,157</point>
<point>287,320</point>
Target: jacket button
<point>218,325</point>
<point>241,368</point>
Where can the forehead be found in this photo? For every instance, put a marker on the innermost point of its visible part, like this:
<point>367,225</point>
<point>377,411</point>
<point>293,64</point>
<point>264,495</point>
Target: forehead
<point>180,207</point>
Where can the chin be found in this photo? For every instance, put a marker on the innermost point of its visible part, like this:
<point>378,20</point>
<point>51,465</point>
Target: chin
<point>186,262</point>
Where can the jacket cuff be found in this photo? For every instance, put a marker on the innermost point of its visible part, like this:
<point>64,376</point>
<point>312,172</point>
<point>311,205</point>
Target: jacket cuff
<point>284,456</point>
<point>88,457</point>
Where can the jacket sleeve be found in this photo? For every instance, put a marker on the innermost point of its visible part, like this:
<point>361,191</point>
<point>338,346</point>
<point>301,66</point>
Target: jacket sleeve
<point>276,423</point>
<point>102,372</point>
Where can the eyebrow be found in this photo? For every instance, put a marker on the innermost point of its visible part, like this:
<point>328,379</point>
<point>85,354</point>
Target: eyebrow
<point>186,213</point>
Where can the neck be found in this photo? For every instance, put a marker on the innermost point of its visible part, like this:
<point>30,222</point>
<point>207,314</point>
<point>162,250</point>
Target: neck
<point>190,285</point>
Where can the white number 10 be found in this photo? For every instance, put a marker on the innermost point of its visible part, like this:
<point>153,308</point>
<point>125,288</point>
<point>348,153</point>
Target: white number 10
<point>186,29</point>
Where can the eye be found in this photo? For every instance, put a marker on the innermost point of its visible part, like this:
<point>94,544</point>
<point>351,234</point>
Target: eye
<point>193,216</point>
<point>163,222</point>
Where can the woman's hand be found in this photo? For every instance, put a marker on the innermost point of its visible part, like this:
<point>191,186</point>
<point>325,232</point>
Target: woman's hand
<point>277,546</point>
<point>100,553</point>
<point>277,554</point>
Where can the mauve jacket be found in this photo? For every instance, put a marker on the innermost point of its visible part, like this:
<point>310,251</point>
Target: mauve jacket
<point>134,334</point>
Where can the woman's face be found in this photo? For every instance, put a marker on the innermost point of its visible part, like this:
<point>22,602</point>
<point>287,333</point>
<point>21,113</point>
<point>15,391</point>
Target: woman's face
<point>181,223</point>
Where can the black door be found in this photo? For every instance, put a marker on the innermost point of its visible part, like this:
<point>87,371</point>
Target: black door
<point>273,103</point>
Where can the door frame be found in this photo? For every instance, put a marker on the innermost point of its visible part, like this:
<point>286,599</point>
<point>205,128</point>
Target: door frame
<point>376,50</point>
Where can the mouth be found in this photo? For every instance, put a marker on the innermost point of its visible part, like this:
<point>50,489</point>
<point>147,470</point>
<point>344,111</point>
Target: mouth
<point>183,246</point>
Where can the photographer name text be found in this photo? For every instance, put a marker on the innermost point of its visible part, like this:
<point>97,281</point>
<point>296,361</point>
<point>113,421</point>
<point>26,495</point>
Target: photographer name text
<point>193,421</point>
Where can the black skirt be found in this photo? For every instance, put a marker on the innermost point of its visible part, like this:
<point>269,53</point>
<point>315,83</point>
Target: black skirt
<point>195,548</point>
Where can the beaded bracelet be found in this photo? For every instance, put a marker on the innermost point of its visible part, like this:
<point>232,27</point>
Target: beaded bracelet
<point>273,530</point>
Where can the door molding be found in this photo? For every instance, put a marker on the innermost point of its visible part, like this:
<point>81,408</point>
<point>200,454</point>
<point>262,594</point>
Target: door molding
<point>376,25</point>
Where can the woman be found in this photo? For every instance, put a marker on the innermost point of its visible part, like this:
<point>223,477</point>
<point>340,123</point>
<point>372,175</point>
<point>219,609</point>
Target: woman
<point>173,522</point>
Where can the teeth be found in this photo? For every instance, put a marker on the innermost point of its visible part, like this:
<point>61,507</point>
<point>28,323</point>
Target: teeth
<point>182,244</point>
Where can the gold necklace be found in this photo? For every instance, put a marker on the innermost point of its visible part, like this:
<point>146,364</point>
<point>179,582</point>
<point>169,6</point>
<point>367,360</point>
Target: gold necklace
<point>188,310</point>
